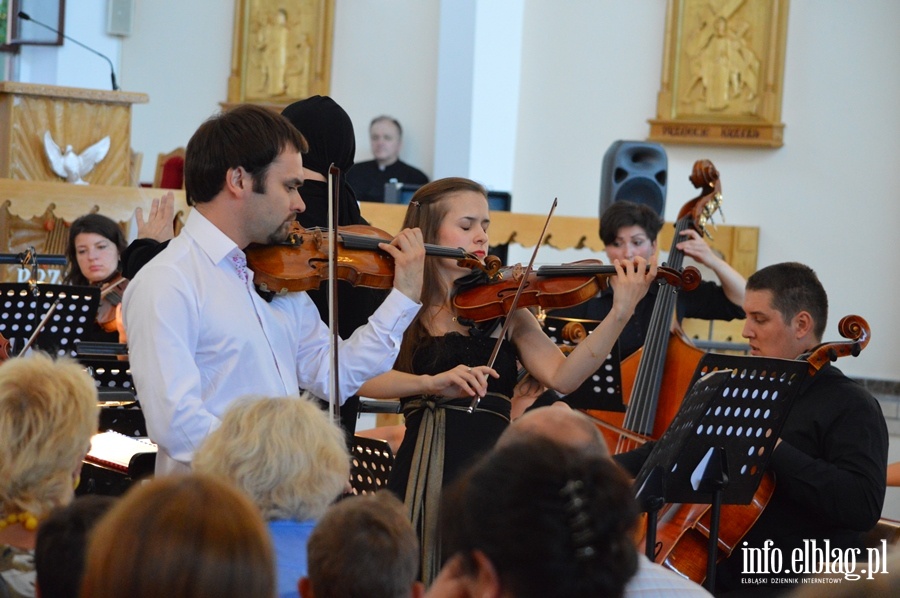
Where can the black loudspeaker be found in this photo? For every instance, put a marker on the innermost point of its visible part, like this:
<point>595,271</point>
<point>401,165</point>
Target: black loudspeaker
<point>634,171</point>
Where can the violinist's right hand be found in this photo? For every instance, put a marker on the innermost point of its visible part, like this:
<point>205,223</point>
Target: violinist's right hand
<point>160,221</point>
<point>460,382</point>
<point>408,251</point>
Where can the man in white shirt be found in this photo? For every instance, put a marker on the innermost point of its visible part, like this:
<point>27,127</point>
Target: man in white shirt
<point>200,337</point>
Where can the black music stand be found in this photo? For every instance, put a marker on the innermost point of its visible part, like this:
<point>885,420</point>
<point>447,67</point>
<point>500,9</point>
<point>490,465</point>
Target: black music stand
<point>603,389</point>
<point>371,461</point>
<point>23,306</point>
<point>718,446</point>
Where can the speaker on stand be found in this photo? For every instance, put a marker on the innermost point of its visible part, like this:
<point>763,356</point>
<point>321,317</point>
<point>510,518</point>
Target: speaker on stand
<point>634,171</point>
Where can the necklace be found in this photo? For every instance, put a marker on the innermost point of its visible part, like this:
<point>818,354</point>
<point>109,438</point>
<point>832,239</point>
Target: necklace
<point>450,313</point>
<point>28,521</point>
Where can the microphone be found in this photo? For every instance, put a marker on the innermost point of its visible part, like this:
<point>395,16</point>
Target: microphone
<point>112,72</point>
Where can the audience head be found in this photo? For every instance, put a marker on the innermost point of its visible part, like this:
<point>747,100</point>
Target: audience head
<point>386,136</point>
<point>93,249</point>
<point>559,423</point>
<point>628,229</point>
<point>248,136</point>
<point>284,453</point>
<point>62,542</point>
<point>538,519</point>
<point>327,129</point>
<point>363,546</point>
<point>787,309</point>
<point>192,536</point>
<point>48,413</point>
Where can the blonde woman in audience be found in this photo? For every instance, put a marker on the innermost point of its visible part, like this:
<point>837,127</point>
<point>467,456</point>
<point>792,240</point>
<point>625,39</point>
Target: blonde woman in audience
<point>180,537</point>
<point>48,412</point>
<point>364,546</point>
<point>291,460</point>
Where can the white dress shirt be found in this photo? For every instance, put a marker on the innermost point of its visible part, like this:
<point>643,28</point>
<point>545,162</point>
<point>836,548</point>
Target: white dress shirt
<point>655,581</point>
<point>200,337</point>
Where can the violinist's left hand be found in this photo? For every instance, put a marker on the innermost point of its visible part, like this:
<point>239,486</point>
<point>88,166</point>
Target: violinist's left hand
<point>630,284</point>
<point>694,246</point>
<point>408,251</point>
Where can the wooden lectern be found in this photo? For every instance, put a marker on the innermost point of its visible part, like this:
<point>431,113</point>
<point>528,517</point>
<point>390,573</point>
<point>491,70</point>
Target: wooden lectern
<point>74,116</point>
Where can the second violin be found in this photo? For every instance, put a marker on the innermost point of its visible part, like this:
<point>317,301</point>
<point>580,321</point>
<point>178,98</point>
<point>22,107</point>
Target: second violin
<point>549,287</point>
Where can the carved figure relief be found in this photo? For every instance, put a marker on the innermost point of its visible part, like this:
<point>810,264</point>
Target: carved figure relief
<point>286,47</point>
<point>723,72</point>
<point>724,69</point>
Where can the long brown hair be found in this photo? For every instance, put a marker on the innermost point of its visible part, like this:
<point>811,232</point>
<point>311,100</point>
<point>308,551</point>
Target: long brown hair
<point>180,536</point>
<point>426,211</point>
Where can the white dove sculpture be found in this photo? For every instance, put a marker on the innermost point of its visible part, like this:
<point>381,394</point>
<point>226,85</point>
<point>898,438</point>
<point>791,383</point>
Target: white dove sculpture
<point>72,166</point>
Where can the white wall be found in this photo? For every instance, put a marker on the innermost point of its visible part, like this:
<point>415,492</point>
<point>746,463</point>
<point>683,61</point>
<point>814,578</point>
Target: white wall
<point>180,55</point>
<point>590,72</point>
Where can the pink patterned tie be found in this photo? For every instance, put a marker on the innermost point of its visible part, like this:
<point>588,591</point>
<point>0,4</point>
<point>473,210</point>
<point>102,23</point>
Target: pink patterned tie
<point>240,264</point>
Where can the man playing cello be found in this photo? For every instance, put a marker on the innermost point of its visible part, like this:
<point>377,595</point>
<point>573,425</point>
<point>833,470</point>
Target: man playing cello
<point>830,460</point>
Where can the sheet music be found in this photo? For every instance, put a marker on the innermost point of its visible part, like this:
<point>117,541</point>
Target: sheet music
<point>116,450</point>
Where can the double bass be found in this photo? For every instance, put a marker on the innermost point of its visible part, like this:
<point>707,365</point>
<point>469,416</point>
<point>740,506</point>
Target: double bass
<point>684,532</point>
<point>656,377</point>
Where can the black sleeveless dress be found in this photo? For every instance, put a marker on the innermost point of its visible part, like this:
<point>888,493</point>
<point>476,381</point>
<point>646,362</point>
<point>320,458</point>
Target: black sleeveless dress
<point>442,437</point>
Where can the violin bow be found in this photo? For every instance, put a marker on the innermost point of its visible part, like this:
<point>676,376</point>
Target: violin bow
<point>40,326</point>
<point>334,401</point>
<point>515,301</point>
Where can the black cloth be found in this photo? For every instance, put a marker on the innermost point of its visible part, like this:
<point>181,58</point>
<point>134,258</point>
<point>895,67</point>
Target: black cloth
<point>368,180</point>
<point>138,253</point>
<point>829,476</point>
<point>329,132</point>
<point>707,302</point>
<point>466,435</point>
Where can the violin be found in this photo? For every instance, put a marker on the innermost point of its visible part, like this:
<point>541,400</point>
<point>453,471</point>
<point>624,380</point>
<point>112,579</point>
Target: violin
<point>301,262</point>
<point>110,296</point>
<point>549,287</point>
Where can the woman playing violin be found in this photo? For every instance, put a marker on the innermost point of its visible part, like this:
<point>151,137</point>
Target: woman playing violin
<point>441,364</point>
<point>93,250</point>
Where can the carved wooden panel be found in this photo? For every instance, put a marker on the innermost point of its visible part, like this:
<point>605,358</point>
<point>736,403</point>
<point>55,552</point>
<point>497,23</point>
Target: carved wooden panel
<point>38,213</point>
<point>281,52</point>
<point>73,117</point>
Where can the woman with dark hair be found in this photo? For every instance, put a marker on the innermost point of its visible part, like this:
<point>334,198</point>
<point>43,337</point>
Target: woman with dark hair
<point>441,364</point>
<point>93,259</point>
<point>534,519</point>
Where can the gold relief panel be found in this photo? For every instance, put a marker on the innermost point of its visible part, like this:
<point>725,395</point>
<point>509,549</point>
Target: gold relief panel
<point>282,50</point>
<point>723,73</point>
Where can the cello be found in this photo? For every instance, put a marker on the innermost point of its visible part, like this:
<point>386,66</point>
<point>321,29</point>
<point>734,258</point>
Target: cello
<point>683,535</point>
<point>656,377</point>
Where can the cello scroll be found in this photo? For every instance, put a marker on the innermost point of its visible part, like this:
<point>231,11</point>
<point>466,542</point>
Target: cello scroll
<point>852,327</point>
